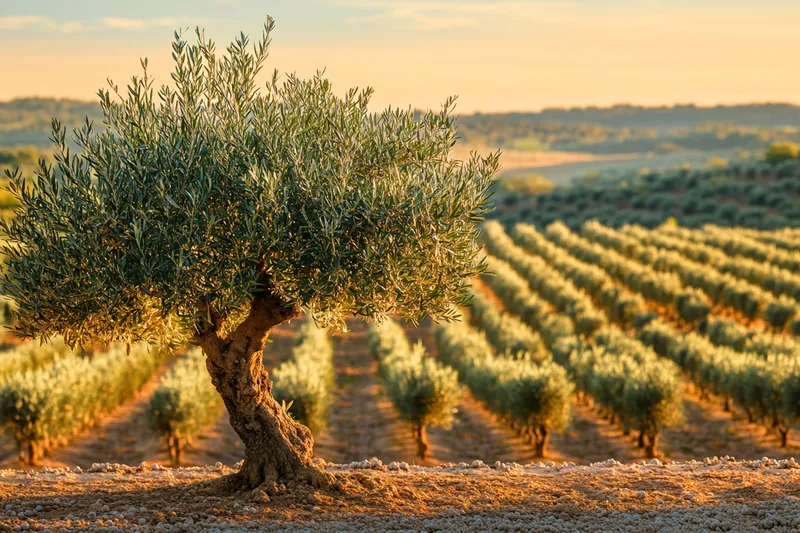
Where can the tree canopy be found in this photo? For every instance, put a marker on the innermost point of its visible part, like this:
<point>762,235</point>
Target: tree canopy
<point>195,196</point>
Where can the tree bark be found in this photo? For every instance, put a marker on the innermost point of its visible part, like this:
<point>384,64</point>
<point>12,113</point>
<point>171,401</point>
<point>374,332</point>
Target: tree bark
<point>276,447</point>
<point>784,436</point>
<point>174,447</point>
<point>641,439</point>
<point>542,441</point>
<point>421,436</point>
<point>651,450</point>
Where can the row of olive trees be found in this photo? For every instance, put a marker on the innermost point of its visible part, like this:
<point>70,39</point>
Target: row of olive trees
<point>184,403</point>
<point>732,333</point>
<point>785,238</point>
<point>304,384</point>
<point>545,280</point>
<point>534,398</point>
<point>667,253</point>
<point>735,244</point>
<point>509,336</point>
<point>766,388</point>
<point>623,305</point>
<point>46,407</point>
<point>666,288</point>
<point>637,243</point>
<point>634,387</point>
<point>424,392</point>
<point>758,386</point>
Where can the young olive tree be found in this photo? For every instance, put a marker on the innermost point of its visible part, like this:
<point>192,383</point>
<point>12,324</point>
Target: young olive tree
<point>213,211</point>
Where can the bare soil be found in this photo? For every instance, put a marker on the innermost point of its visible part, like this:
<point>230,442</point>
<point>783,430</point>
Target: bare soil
<point>717,496</point>
<point>363,423</point>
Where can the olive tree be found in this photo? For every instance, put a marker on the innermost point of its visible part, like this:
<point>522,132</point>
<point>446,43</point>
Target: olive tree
<point>211,211</point>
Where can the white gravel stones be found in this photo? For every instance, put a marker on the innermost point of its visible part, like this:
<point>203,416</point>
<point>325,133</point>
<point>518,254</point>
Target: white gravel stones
<point>778,519</point>
<point>368,464</point>
<point>395,466</point>
<point>639,508</point>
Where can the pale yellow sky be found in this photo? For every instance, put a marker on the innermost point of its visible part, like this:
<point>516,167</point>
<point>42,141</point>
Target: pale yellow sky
<point>562,55</point>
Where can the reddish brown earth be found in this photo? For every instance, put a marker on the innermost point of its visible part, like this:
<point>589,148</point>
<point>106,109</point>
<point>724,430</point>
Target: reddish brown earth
<point>720,496</point>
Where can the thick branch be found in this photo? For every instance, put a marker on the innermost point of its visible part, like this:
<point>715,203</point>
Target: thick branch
<point>209,336</point>
<point>266,311</point>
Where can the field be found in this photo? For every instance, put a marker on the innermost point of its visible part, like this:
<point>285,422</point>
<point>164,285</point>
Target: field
<point>544,161</point>
<point>672,343</point>
<point>370,267</point>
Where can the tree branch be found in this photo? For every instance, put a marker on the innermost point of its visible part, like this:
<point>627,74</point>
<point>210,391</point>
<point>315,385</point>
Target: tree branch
<point>266,311</point>
<point>209,336</point>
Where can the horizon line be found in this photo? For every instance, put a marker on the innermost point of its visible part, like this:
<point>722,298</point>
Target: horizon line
<point>512,111</point>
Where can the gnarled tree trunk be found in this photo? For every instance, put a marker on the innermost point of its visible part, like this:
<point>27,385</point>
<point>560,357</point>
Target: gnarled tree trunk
<point>651,449</point>
<point>421,436</point>
<point>784,433</point>
<point>542,439</point>
<point>276,447</point>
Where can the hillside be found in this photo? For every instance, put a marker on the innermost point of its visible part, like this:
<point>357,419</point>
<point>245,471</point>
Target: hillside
<point>27,121</point>
<point>677,116</point>
<point>618,129</point>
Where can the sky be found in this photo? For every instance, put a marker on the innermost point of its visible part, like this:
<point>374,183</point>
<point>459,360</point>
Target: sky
<point>503,55</point>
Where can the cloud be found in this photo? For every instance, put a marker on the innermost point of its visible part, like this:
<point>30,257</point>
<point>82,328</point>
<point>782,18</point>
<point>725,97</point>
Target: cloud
<point>16,23</point>
<point>75,26</point>
<point>136,24</point>
<point>25,21</point>
<point>447,15</point>
<point>224,2</point>
<point>72,27</point>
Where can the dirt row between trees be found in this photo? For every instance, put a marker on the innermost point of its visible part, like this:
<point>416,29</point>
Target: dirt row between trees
<point>696,497</point>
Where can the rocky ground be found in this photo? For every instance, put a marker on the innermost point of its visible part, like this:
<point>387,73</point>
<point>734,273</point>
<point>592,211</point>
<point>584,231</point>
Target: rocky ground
<point>712,495</point>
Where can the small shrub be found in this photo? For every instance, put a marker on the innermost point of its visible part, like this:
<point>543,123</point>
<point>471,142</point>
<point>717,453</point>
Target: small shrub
<point>781,151</point>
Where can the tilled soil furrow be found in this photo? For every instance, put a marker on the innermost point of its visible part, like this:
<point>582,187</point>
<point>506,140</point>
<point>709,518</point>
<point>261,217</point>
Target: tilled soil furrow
<point>477,434</point>
<point>589,439</point>
<point>363,423</point>
<point>218,443</point>
<point>710,431</point>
